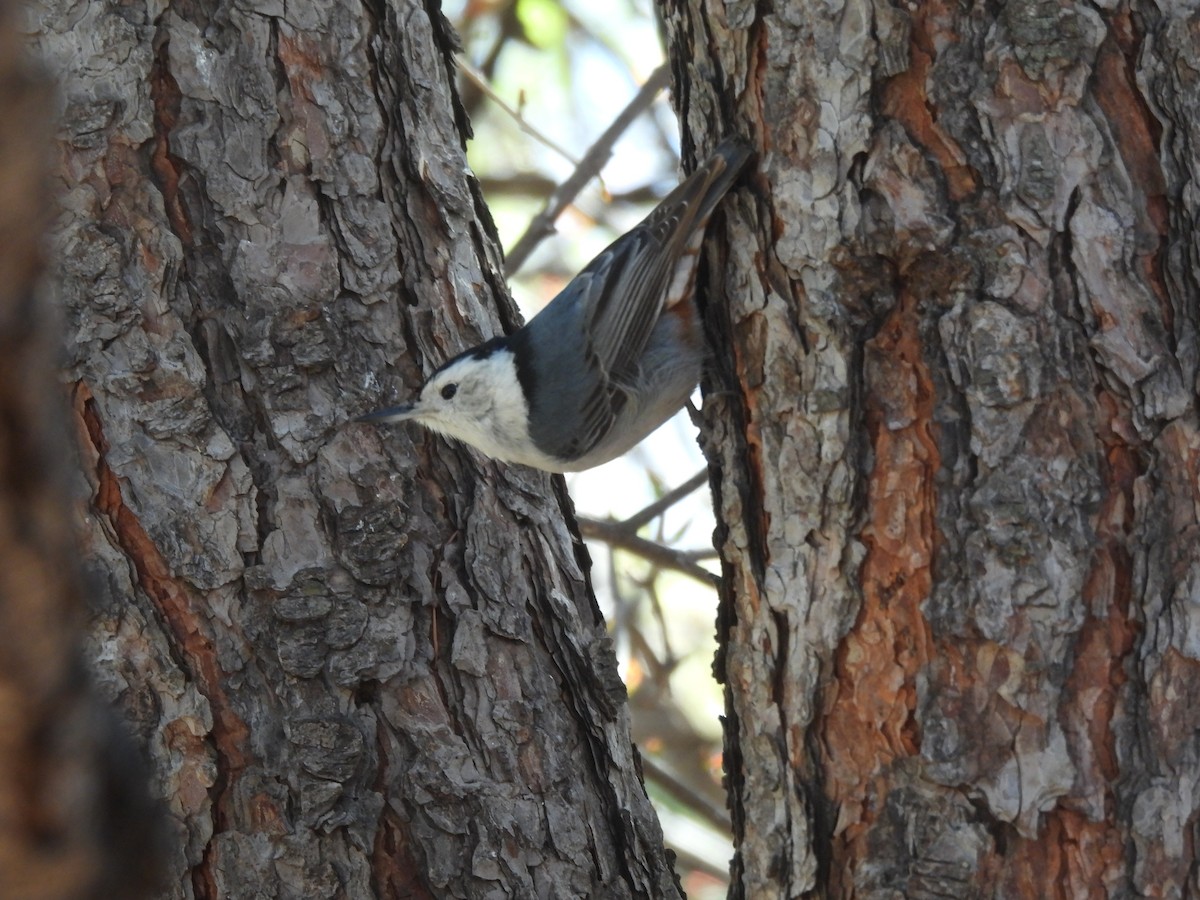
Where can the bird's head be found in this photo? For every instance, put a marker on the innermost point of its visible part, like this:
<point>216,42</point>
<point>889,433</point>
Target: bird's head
<point>475,397</point>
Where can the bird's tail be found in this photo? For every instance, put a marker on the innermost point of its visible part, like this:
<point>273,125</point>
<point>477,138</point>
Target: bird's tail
<point>714,177</point>
<point>687,209</point>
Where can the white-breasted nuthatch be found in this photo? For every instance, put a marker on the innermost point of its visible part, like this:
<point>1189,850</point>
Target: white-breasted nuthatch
<point>612,357</point>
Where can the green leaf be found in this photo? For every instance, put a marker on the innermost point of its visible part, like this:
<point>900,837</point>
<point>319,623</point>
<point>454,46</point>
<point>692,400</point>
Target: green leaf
<point>545,22</point>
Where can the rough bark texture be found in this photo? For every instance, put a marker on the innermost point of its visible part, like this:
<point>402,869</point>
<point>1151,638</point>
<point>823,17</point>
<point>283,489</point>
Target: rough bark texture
<point>75,817</point>
<point>957,459</point>
<point>366,663</point>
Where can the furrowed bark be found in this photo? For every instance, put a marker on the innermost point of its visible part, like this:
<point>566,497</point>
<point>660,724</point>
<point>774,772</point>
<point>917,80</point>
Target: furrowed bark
<point>75,814</point>
<point>366,663</point>
<point>954,444</point>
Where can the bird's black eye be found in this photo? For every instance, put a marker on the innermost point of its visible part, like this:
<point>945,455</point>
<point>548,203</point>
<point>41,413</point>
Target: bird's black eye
<point>449,391</point>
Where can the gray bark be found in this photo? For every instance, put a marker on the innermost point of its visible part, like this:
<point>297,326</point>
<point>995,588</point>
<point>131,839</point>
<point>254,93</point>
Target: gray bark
<point>366,663</point>
<point>956,445</point>
<point>76,819</point>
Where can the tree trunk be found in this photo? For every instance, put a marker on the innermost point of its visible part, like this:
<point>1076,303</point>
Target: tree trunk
<point>367,663</point>
<point>955,444</point>
<point>75,816</point>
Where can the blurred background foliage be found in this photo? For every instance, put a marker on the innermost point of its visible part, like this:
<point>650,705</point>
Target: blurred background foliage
<point>550,87</point>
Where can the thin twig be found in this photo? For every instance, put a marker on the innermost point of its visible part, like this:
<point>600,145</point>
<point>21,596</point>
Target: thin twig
<point>622,609</point>
<point>480,81</point>
<point>617,535</point>
<point>696,863</point>
<point>591,164</point>
<point>704,808</point>
<point>658,670</point>
<point>670,660</point>
<point>665,502</point>
<point>528,184</point>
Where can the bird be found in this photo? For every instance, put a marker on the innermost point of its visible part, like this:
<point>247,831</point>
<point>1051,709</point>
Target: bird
<point>614,355</point>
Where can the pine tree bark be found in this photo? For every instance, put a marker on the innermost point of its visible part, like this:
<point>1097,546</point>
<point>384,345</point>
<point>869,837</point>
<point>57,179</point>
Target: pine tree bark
<point>75,815</point>
<point>955,446</point>
<point>366,663</point>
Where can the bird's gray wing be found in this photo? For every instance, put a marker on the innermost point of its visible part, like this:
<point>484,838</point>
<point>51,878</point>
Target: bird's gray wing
<point>624,289</point>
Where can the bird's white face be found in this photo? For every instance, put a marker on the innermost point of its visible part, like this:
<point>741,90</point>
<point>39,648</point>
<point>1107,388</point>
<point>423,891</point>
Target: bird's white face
<point>478,400</point>
<point>458,395</point>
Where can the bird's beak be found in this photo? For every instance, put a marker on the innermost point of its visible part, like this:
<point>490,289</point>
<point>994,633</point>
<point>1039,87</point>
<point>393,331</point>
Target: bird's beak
<point>391,414</point>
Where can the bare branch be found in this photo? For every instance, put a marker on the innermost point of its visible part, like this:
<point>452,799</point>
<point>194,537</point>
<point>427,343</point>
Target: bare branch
<point>530,184</point>
<point>665,502</point>
<point>697,863</point>
<point>696,802</point>
<point>480,81</point>
<point>591,164</point>
<point>618,535</point>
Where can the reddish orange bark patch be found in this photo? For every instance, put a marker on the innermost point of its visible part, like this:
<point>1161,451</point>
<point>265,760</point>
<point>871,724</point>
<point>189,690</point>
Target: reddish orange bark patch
<point>1108,634</point>
<point>304,136</point>
<point>1080,853</point>
<point>1069,860</point>
<point>868,721</point>
<point>300,57</point>
<point>394,871</point>
<point>1136,129</point>
<point>164,91</point>
<point>1131,129</point>
<point>905,100</point>
<point>176,611</point>
<point>748,373</point>
<point>1136,132</point>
